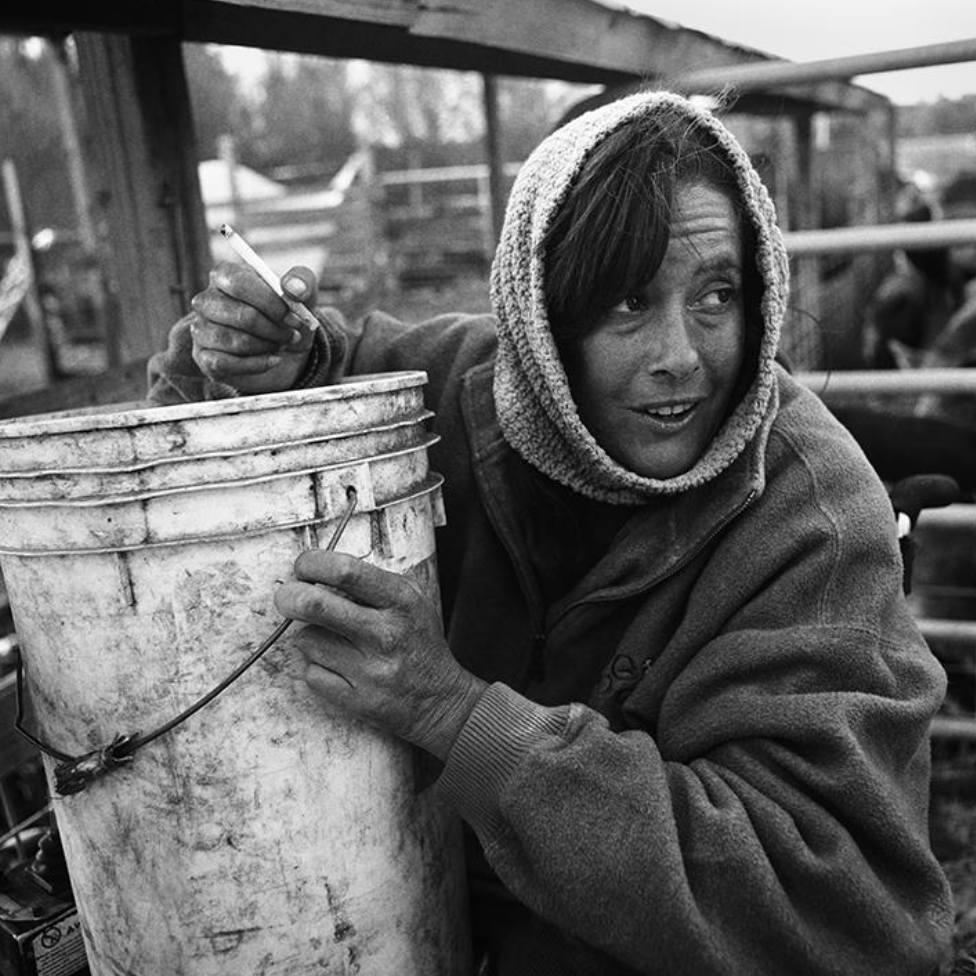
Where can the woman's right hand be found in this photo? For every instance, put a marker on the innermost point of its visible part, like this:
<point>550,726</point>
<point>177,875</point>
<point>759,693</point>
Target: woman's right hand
<point>244,335</point>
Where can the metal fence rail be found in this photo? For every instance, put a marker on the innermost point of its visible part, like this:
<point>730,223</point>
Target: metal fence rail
<point>881,237</point>
<point>834,386</point>
<point>769,74</point>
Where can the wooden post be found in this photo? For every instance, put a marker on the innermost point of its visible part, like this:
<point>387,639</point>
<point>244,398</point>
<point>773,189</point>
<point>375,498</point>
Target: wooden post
<point>807,299</point>
<point>148,190</point>
<point>496,190</point>
<point>22,245</point>
<point>72,147</point>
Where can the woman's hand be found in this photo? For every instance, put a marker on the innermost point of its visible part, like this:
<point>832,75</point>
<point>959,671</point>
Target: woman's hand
<point>376,649</point>
<point>245,335</point>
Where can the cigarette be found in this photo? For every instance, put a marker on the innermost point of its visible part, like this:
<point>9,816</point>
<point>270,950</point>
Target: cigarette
<point>250,257</point>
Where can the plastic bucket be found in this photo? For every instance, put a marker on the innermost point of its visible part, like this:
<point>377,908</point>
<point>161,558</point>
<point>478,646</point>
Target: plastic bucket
<point>141,548</point>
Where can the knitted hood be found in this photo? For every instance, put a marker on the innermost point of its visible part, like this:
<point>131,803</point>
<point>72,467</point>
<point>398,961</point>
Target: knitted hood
<point>535,408</point>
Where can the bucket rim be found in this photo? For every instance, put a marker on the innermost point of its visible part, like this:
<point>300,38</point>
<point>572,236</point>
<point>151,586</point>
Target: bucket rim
<point>415,420</point>
<point>428,440</point>
<point>432,484</point>
<point>142,414</point>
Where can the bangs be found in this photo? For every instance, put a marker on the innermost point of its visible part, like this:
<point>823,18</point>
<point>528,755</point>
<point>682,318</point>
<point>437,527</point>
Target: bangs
<point>609,238</point>
<point>611,234</point>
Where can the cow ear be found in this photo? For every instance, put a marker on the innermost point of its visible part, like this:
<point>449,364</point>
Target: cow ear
<point>906,357</point>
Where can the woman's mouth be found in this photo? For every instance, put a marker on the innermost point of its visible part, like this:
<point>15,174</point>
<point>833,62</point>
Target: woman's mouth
<point>670,414</point>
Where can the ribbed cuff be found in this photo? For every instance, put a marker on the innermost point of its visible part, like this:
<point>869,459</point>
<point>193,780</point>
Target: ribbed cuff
<point>327,355</point>
<point>503,728</point>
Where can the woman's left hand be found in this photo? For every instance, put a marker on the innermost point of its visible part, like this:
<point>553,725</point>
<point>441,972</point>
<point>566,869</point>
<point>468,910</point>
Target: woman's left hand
<point>376,649</point>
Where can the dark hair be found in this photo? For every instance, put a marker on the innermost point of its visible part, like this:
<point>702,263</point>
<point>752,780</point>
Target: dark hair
<point>610,234</point>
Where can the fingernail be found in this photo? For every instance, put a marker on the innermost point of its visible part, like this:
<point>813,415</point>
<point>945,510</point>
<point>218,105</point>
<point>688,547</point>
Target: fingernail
<point>292,320</point>
<point>296,338</point>
<point>273,361</point>
<point>294,286</point>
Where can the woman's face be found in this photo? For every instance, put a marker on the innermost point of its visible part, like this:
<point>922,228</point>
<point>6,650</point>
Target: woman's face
<point>653,380</point>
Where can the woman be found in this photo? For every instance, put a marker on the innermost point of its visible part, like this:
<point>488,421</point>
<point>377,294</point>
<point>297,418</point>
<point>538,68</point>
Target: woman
<point>678,694</point>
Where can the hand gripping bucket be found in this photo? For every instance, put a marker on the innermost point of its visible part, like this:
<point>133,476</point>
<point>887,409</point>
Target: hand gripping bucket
<point>141,548</point>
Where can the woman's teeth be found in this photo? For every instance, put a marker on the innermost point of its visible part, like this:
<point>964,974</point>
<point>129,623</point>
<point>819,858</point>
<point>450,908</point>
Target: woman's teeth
<point>673,410</point>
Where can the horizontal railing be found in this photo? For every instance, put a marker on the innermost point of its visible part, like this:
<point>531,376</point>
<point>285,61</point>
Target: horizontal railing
<point>769,74</point>
<point>952,727</point>
<point>957,637</point>
<point>881,237</point>
<point>852,384</point>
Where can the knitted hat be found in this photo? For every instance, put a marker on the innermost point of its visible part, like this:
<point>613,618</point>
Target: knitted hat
<point>538,416</point>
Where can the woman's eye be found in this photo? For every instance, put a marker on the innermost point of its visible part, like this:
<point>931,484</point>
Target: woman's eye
<point>633,303</point>
<point>718,296</point>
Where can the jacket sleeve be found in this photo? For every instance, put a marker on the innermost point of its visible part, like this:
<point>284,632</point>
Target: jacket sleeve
<point>766,811</point>
<point>444,346</point>
<point>174,377</point>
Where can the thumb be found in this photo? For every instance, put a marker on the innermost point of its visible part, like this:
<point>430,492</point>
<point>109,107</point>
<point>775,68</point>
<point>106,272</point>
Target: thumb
<point>301,284</point>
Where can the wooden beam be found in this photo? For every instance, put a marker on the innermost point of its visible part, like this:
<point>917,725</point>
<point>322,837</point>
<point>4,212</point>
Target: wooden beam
<point>490,36</point>
<point>575,40</point>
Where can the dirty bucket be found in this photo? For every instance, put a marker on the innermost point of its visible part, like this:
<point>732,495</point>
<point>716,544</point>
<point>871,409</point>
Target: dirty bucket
<point>141,548</point>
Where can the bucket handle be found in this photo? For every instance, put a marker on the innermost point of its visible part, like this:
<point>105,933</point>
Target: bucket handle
<point>73,773</point>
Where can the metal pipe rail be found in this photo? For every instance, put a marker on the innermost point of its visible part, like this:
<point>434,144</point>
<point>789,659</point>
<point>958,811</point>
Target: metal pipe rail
<point>957,638</point>
<point>769,74</point>
<point>881,237</point>
<point>852,384</point>
<point>952,518</point>
<point>951,727</point>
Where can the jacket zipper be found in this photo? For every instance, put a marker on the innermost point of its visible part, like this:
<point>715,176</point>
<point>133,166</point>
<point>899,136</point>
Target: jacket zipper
<point>687,558</point>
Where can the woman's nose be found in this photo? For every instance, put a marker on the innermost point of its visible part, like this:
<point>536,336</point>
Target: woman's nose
<point>675,353</point>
